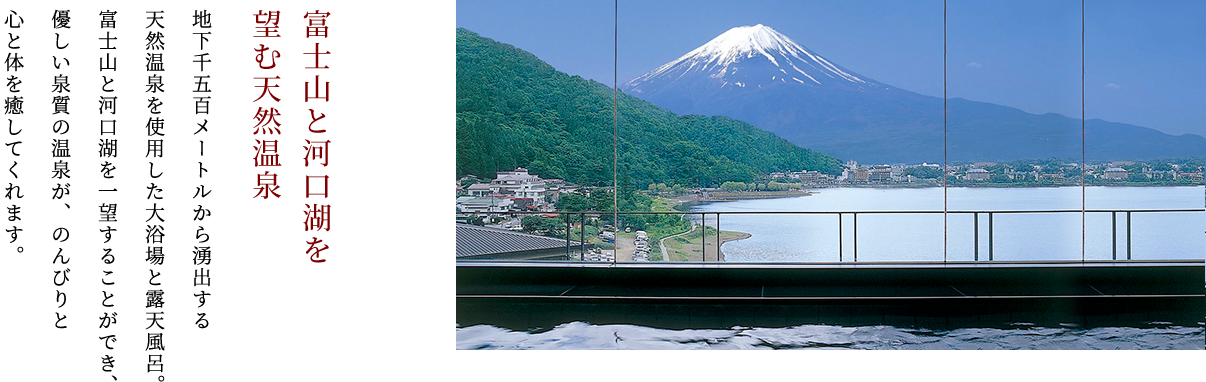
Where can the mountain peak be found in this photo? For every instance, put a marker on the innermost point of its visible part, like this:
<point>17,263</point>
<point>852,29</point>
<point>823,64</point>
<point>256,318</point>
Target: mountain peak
<point>745,39</point>
<point>748,56</point>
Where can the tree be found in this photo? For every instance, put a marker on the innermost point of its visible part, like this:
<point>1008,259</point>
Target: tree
<point>1072,172</point>
<point>532,224</point>
<point>1161,166</point>
<point>548,226</point>
<point>544,170</point>
<point>776,186</point>
<point>924,172</point>
<point>601,200</point>
<point>573,202</point>
<point>1023,167</point>
<point>476,220</point>
<point>733,186</point>
<point>468,181</point>
<point>514,110</point>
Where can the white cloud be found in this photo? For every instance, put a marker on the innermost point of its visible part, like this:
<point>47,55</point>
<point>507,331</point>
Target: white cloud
<point>974,64</point>
<point>1112,86</point>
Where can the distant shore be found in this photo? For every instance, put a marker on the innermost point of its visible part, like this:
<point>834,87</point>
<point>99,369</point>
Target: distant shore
<point>689,200</point>
<point>744,195</point>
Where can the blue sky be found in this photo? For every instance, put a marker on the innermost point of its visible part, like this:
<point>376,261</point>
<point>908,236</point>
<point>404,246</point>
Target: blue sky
<point>1145,60</point>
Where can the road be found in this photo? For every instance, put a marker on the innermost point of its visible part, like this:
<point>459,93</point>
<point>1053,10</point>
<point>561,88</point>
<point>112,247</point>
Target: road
<point>625,246</point>
<point>662,243</point>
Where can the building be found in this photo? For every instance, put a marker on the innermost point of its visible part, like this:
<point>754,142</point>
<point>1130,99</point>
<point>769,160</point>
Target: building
<point>1057,177</point>
<point>810,177</point>
<point>1116,173</point>
<point>879,173</point>
<point>1021,175</point>
<point>553,190</point>
<point>861,175</point>
<point>481,243</point>
<point>898,173</point>
<point>1160,174</point>
<point>480,189</point>
<point>977,175</point>
<point>487,204</point>
<point>520,185</point>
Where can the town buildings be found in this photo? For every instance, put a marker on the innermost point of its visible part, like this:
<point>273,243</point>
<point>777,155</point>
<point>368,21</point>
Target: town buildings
<point>978,175</point>
<point>861,175</point>
<point>519,184</point>
<point>512,190</point>
<point>1116,173</point>
<point>879,174</point>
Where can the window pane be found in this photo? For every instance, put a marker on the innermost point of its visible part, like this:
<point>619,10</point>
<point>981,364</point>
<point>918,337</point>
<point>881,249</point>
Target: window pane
<point>1014,131</point>
<point>535,120</point>
<point>753,106</point>
<point>1144,82</point>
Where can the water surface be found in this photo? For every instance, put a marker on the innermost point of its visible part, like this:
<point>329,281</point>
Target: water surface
<point>901,237</point>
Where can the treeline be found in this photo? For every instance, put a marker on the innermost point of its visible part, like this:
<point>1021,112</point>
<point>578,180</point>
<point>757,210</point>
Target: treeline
<point>514,110</point>
<point>768,186</point>
<point>602,200</point>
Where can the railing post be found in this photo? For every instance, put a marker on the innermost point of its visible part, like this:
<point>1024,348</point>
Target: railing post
<point>582,237</point>
<point>976,232</point>
<point>840,237</point>
<point>1128,235</point>
<point>990,249</point>
<point>1114,232</point>
<point>856,237</point>
<point>703,238</point>
<point>718,236</point>
<point>567,235</point>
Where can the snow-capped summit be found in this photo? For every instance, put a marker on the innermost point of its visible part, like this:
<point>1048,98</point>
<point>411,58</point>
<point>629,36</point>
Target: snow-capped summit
<point>747,57</point>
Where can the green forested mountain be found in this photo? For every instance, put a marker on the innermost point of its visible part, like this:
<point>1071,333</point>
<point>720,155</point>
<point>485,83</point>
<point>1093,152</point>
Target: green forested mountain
<point>512,110</point>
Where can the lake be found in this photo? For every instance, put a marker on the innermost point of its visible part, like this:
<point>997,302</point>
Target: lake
<point>904,237</point>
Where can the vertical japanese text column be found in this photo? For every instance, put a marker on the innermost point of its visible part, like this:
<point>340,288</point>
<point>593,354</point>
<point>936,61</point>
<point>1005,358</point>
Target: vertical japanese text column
<point>10,111</point>
<point>288,151</point>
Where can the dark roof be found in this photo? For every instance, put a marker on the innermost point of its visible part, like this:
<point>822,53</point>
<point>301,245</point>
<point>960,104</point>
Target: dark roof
<point>474,240</point>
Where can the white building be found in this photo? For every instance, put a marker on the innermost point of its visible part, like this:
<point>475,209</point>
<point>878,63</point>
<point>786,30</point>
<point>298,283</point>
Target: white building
<point>473,204</point>
<point>520,184</point>
<point>480,189</point>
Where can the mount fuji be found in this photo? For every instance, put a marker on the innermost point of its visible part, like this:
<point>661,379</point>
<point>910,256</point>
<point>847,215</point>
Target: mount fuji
<point>758,75</point>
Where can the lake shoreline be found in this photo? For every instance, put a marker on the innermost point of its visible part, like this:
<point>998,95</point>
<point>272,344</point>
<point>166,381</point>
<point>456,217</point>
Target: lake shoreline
<point>724,240</point>
<point>687,201</point>
<point>808,229</point>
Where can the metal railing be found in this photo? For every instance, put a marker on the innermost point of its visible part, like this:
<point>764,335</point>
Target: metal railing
<point>582,215</point>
